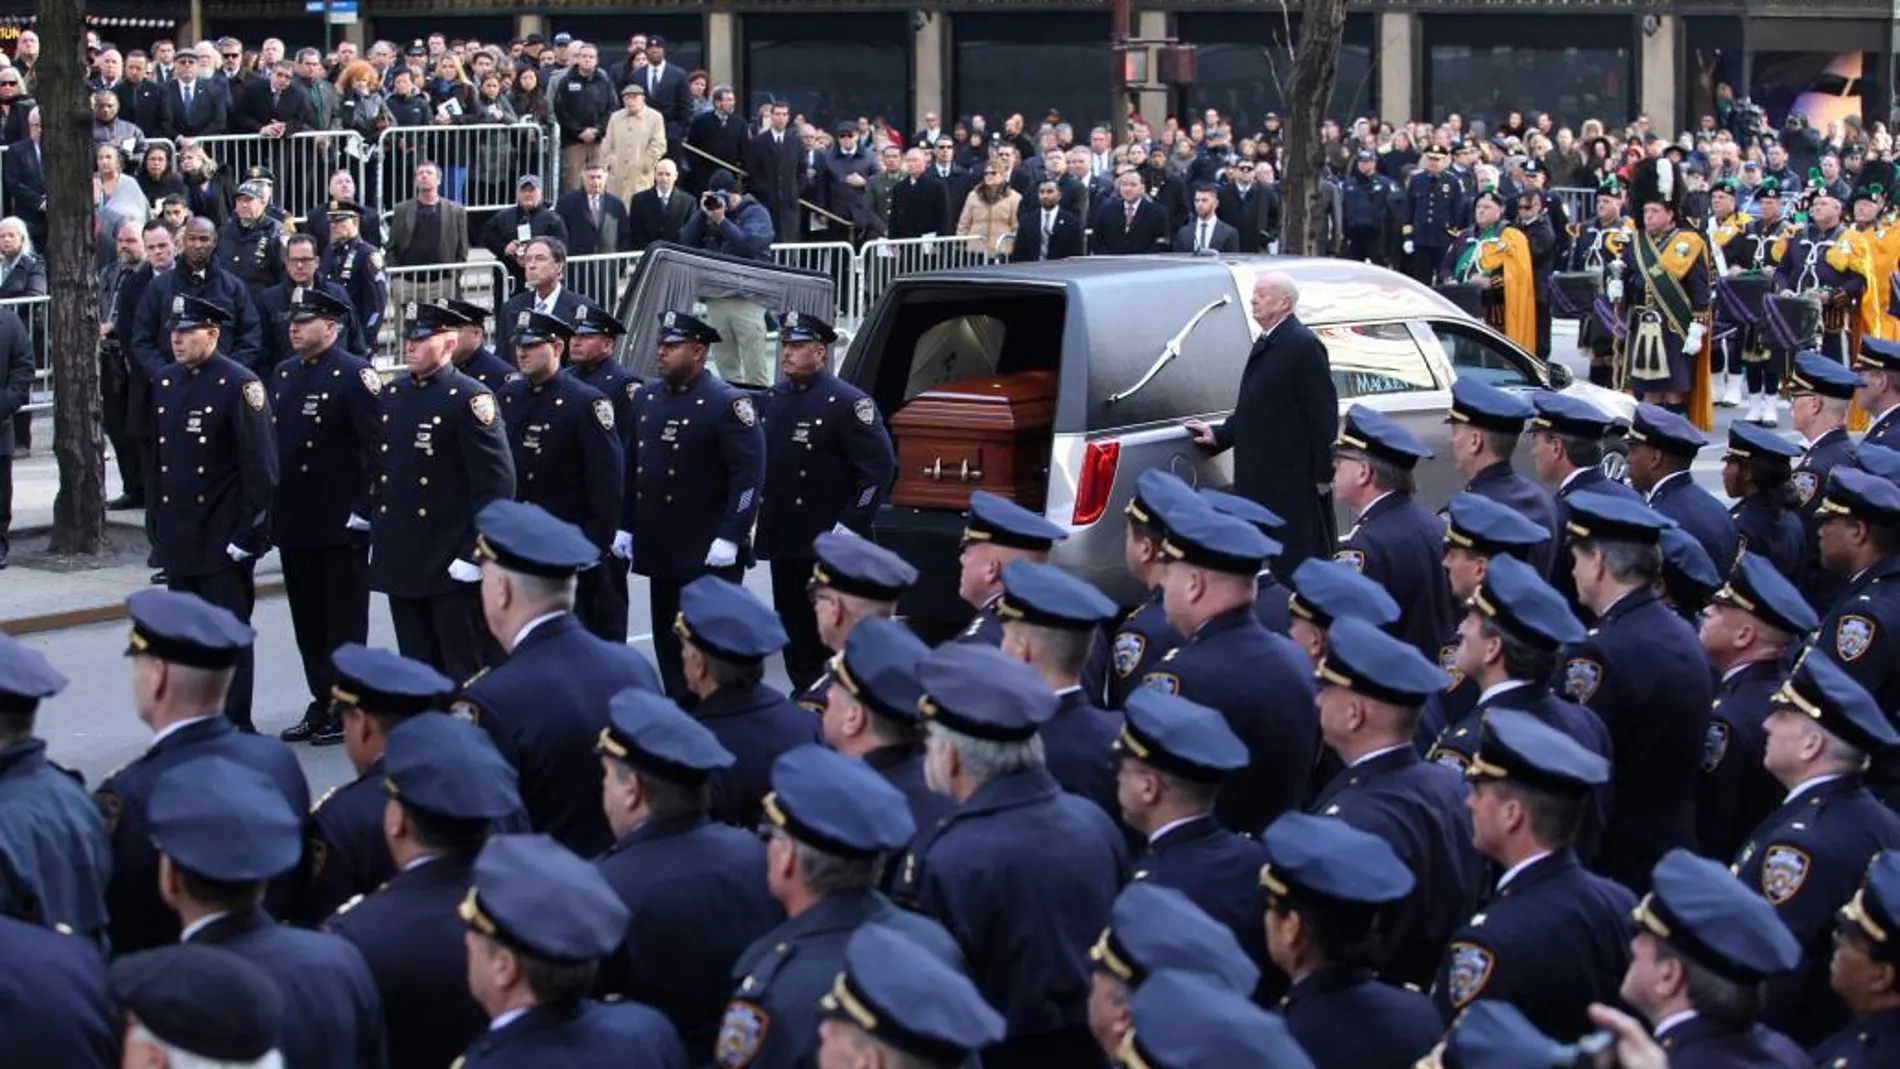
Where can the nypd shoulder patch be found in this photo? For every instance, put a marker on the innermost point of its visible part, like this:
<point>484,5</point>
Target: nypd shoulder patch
<point>1353,557</point>
<point>1805,484</point>
<point>1784,869</point>
<point>742,408</point>
<point>254,395</point>
<point>371,381</point>
<point>482,405</point>
<point>604,413</point>
<point>741,1034</point>
<point>1128,650</point>
<point>866,410</point>
<point>1582,677</point>
<point>1470,970</point>
<point>1854,636</point>
<point>1165,682</point>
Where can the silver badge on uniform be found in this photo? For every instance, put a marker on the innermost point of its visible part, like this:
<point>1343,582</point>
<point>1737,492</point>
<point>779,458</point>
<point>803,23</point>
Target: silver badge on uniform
<point>1714,745</point>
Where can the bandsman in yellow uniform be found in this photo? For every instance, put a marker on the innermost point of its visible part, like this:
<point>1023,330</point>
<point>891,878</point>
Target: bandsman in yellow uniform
<point>1663,287</point>
<point>1498,257</point>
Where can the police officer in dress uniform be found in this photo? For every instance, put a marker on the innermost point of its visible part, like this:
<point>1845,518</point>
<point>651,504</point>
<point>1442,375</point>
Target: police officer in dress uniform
<point>590,359</point>
<point>1859,534</point>
<point>1143,635</point>
<point>326,404</point>
<point>998,531</point>
<point>1865,964</point>
<point>694,480</point>
<point>445,786</point>
<point>202,1000</point>
<point>1326,591</point>
<point>1553,938</point>
<point>545,705</point>
<point>444,457</point>
<point>871,710</point>
<point>536,912</point>
<point>250,243</point>
<point>1327,886</point>
<point>1879,393</point>
<point>1371,686</point>
<point>1662,446</point>
<point>1689,577</point>
<point>696,890</point>
<point>1703,945</point>
<point>1018,862</point>
<point>1228,661</point>
<point>372,691</point>
<point>725,634</point>
<point>1819,391</point>
<point>896,999</point>
<point>1486,423</point>
<point>1752,625</point>
<point>221,830</point>
<point>1049,622</point>
<point>1270,594</point>
<point>831,821</point>
<point>277,305</point>
<point>356,265</point>
<point>1393,540</point>
<point>1641,670</point>
<point>1664,289</point>
<point>828,462</point>
<point>1182,1020</point>
<point>215,471</point>
<point>1433,206</point>
<point>1173,755</point>
<point>1154,928</point>
<point>853,579</point>
<point>1756,470</point>
<point>1807,857</point>
<point>569,458</point>
<point>55,859</point>
<point>1366,203</point>
<point>1567,436</point>
<point>473,356</point>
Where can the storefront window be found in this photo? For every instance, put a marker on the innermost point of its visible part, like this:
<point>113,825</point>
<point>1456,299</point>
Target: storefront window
<point>1480,67</point>
<point>1033,64</point>
<point>1244,60</point>
<point>832,67</point>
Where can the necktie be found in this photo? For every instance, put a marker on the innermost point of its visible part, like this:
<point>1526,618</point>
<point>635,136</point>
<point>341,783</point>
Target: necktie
<point>1048,231</point>
<point>188,96</point>
<point>593,208</point>
<point>1200,240</point>
<point>1129,216</point>
<point>653,76</point>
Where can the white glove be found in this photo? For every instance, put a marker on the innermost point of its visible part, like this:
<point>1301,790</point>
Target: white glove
<point>463,572</point>
<point>722,554</point>
<point>232,551</point>
<point>623,545</point>
<point>1410,248</point>
<point>1615,290</point>
<point>839,528</point>
<point>1692,338</point>
<point>355,523</point>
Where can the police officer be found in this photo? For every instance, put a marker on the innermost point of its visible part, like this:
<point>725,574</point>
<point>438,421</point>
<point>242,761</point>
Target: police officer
<point>898,1000</point>
<point>1393,540</point>
<point>1567,436</point>
<point>196,274</point>
<point>1704,943</point>
<point>1662,446</point>
<point>221,830</point>
<point>694,480</point>
<point>276,306</point>
<point>373,690</point>
<point>1327,885</point>
<point>726,633</point>
<point>184,654</point>
<point>1366,198</point>
<point>1486,424</point>
<point>1270,594</point>
<point>871,710</point>
<point>1228,661</point>
<point>547,702</point>
<point>216,467</point>
<point>698,888</point>
<point>1017,862</point>
<point>328,411</point>
<point>250,242</point>
<point>1859,534</point>
<point>1536,181</point>
<point>997,532</point>
<point>1152,929</point>
<point>828,462</point>
<point>1371,686</point>
<point>1049,622</point>
<point>540,920</point>
<point>1751,626</point>
<point>55,858</point>
<point>1434,204</point>
<point>569,458</point>
<point>1807,857</point>
<point>446,786</point>
<point>473,356</point>
<point>1172,756</point>
<point>1756,471</point>
<point>356,265</point>
<point>1553,938</point>
<point>590,359</point>
<point>1182,1020</point>
<point>1864,963</point>
<point>1689,577</point>
<point>853,579</point>
<point>1819,394</point>
<point>203,1001</point>
<point>444,456</point>
<point>831,821</point>
<point>1879,365</point>
<point>1642,672</point>
<point>1143,635</point>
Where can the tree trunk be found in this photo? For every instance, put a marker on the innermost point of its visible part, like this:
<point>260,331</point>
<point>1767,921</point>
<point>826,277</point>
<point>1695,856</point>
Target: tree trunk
<point>79,509</point>
<point>1309,94</point>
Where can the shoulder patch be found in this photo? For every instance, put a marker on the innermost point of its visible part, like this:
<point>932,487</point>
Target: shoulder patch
<point>742,408</point>
<point>1714,746</point>
<point>376,259</point>
<point>466,711</point>
<point>1469,972</point>
<point>1353,557</point>
<point>1582,677</point>
<point>604,413</point>
<point>483,405</point>
<point>1854,636</point>
<point>741,1034</point>
<point>1451,759</point>
<point>866,410</point>
<point>1805,485</point>
<point>254,395</point>
<point>1165,682</point>
<point>1784,869</point>
<point>371,381</point>
<point>1129,647</point>
<point>111,808</point>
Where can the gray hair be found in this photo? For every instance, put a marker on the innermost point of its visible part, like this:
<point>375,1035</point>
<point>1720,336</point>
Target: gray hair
<point>14,222</point>
<point>184,1059</point>
<point>985,761</point>
<point>1280,283</point>
<point>827,875</point>
<point>1628,562</point>
<point>548,591</point>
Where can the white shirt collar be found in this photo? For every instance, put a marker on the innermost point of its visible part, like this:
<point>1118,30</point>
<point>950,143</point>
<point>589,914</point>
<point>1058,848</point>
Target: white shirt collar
<point>172,729</point>
<point>1650,498</point>
<point>1070,689</point>
<point>1737,670</point>
<point>1380,752</point>
<point>1570,478</point>
<point>1882,414</point>
<point>1498,688</point>
<point>1673,1020</point>
<point>1164,829</point>
<point>1808,785</point>
<point>1514,871</point>
<point>548,301</point>
<point>201,924</point>
<point>1374,501</point>
<point>507,1018</point>
<point>528,628</point>
<point>420,860</point>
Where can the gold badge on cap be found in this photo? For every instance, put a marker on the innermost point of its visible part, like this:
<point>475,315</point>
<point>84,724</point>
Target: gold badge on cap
<point>409,310</point>
<point>178,306</point>
<point>669,320</point>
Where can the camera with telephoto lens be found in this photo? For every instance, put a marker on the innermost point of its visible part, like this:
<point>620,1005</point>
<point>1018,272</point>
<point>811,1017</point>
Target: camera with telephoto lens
<point>712,201</point>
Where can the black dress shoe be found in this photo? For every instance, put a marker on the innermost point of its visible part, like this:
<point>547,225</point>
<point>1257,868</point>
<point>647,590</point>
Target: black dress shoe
<point>161,577</point>
<point>124,502</point>
<point>329,734</point>
<point>306,729</point>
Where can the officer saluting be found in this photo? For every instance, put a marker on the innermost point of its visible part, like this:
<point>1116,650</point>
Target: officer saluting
<point>693,481</point>
<point>356,265</point>
<point>828,462</point>
<point>216,466</point>
<point>328,410</point>
<point>568,456</point>
<point>474,357</point>
<point>444,456</point>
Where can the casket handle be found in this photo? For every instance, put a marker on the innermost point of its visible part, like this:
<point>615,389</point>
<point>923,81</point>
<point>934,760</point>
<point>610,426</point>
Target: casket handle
<point>935,470</point>
<point>964,474</point>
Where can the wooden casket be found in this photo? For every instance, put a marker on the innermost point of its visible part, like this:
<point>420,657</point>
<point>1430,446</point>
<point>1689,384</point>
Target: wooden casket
<point>989,434</point>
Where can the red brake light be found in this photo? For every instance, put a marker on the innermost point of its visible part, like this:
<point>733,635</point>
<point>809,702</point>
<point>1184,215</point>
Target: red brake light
<point>1098,478</point>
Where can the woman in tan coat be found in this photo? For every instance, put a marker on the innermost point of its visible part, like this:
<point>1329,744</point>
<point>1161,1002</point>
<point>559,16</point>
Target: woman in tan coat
<point>634,145</point>
<point>990,209</point>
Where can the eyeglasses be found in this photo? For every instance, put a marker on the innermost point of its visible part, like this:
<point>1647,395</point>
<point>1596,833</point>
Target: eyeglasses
<point>233,55</point>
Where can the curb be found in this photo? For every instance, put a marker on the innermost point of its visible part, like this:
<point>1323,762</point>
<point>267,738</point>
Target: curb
<point>99,614</point>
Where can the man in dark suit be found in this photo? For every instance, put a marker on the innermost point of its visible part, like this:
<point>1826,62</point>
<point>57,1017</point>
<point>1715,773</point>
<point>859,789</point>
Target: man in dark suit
<point>596,219</point>
<point>1130,223</point>
<point>23,176</point>
<point>667,92</point>
<point>544,290</point>
<point>1282,426</point>
<point>1205,233</point>
<point>272,106</point>
<point>771,163</point>
<point>1245,205</point>
<point>719,133</point>
<point>16,382</point>
<point>918,204</point>
<point>198,107</point>
<point>957,181</point>
<point>1045,230</point>
<point>657,214</point>
<point>142,98</point>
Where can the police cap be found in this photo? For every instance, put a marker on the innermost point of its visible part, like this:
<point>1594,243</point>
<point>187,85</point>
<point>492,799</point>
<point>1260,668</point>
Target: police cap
<point>1877,459</point>
<point>1366,660</point>
<point>428,320</point>
<point>1184,1021</point>
<point>1517,746</point>
<point>1757,587</point>
<point>1046,596</point>
<point>1490,528</point>
<point>853,564</point>
<point>530,540</point>
<point>1491,1034</point>
<point>1606,517</point>
<point>1666,431</point>
<point>1327,590</point>
<point>202,999</point>
<point>533,328</point>
<point>473,315</point>
<point>728,621</point>
<point>386,683</point>
<point>1689,577</point>
<point>836,804</point>
<point>1860,495</point>
<point>1746,441</point>
<point>1212,540</point>
<point>650,733</point>
<point>905,997</point>
<point>676,327</point>
<point>533,894</point>
<point>311,302</point>
<point>1574,417</point>
<point>979,691</point>
<point>1158,495</point>
<point>343,209</point>
<point>803,326</point>
<point>1821,690</point>
<point>1701,910</point>
<point>26,676</point>
<point>1171,734</point>
<point>1814,373</point>
<point>595,320</point>
<point>878,667</point>
<point>224,821</point>
<point>1325,862</point>
<point>1247,509</point>
<point>1374,434</point>
<point>1523,605</point>
<point>1874,911</point>
<point>1004,522</point>
<point>449,767</point>
<point>185,629</point>
<point>1153,927</point>
<point>193,313</point>
<point>1488,408</point>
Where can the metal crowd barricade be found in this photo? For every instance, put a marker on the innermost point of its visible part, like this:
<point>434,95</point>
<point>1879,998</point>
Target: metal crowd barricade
<point>886,259</point>
<point>485,283</point>
<point>302,162</point>
<point>835,258</point>
<point>480,162</point>
<point>37,314</point>
<point>602,276</point>
<point>1579,204</point>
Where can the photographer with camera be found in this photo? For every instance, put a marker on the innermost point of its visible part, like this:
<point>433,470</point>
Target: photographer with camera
<point>737,225</point>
